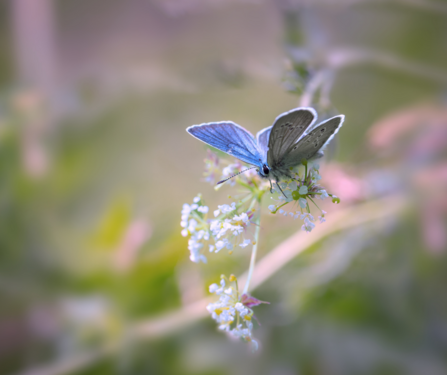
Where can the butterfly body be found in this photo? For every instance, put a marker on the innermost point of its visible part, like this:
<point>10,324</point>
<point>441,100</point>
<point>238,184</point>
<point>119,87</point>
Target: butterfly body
<point>277,148</point>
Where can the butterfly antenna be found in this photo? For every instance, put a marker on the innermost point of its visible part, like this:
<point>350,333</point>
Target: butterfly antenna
<point>245,170</point>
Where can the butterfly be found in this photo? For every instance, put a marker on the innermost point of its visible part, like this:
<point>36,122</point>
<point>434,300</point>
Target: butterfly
<point>294,136</point>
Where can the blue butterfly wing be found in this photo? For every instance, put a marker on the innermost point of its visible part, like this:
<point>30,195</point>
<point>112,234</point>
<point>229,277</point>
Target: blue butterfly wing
<point>262,139</point>
<point>229,138</point>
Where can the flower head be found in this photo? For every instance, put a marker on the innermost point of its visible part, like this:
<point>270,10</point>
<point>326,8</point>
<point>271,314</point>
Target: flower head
<point>229,228</point>
<point>302,190</point>
<point>232,312</point>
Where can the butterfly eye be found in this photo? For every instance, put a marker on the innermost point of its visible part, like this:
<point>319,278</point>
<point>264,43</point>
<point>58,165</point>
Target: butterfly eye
<point>265,169</point>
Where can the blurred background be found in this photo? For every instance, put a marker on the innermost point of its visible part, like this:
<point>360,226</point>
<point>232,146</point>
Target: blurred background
<point>95,165</point>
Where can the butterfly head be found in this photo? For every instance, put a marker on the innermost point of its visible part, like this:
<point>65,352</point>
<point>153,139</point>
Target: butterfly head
<point>264,171</point>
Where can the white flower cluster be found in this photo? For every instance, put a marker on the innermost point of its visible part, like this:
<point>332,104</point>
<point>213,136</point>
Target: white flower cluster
<point>227,230</point>
<point>301,190</point>
<point>229,309</point>
<point>230,224</point>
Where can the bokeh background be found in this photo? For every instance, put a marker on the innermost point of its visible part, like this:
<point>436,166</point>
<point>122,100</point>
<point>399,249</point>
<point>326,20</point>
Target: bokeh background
<point>95,165</point>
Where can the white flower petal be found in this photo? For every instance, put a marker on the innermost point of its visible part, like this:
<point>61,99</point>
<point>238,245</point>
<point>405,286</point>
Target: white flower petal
<point>245,243</point>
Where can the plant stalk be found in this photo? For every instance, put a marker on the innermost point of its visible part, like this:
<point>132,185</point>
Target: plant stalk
<point>253,253</point>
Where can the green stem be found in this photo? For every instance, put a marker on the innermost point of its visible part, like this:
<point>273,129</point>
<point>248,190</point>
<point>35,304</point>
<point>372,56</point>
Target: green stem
<point>245,185</point>
<point>277,208</point>
<point>252,204</point>
<point>253,253</point>
<point>237,290</point>
<point>305,174</point>
<point>314,203</point>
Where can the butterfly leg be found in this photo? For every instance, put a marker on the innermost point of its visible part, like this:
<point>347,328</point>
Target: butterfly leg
<point>271,186</point>
<point>277,184</point>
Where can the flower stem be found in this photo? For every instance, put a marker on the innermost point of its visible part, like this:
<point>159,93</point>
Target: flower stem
<point>314,203</point>
<point>253,253</point>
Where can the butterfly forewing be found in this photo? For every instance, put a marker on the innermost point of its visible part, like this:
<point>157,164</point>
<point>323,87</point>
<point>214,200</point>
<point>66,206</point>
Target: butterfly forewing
<point>229,138</point>
<point>286,130</point>
<point>311,145</point>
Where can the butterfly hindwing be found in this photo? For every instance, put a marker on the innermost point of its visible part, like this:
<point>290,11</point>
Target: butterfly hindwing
<point>229,138</point>
<point>286,130</point>
<point>262,139</point>
<point>311,145</point>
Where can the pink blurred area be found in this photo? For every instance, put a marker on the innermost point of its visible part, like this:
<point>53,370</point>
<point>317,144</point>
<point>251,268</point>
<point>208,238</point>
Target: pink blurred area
<point>418,137</point>
<point>338,179</point>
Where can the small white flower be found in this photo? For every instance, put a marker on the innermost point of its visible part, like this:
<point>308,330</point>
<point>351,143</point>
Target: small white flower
<point>322,219</point>
<point>239,306</point>
<point>255,345</point>
<point>225,208</point>
<point>242,217</point>
<point>226,317</point>
<point>302,202</point>
<point>213,288</point>
<point>293,185</point>
<point>272,207</point>
<point>196,199</point>
<point>203,209</point>
<point>308,225</point>
<point>303,190</point>
<point>288,195</point>
<point>323,194</point>
<point>219,245</point>
<point>245,243</point>
<point>192,225</point>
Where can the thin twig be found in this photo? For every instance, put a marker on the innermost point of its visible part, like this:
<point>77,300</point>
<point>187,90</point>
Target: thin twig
<point>340,58</point>
<point>343,57</point>
<point>312,87</point>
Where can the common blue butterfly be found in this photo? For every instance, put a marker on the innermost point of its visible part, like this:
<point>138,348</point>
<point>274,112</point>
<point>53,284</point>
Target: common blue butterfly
<point>294,136</point>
